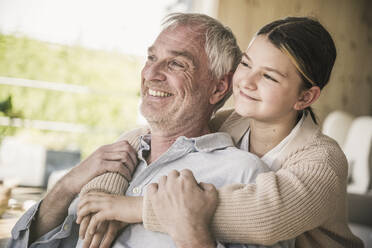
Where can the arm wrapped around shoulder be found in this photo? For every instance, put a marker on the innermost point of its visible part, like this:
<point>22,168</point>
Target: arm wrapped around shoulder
<point>308,191</point>
<point>110,182</point>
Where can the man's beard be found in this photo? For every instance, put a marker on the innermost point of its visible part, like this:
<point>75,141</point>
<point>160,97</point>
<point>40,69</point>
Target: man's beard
<point>171,118</point>
<point>158,118</point>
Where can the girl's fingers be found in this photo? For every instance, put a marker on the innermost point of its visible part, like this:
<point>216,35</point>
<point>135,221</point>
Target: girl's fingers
<point>89,209</point>
<point>83,226</point>
<point>94,222</point>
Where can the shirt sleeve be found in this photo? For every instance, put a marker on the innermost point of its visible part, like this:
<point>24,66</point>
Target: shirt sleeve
<point>282,244</point>
<point>64,235</point>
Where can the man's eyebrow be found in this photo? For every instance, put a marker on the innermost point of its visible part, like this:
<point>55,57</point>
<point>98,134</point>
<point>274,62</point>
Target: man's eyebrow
<point>186,55</point>
<point>150,49</point>
<point>267,67</point>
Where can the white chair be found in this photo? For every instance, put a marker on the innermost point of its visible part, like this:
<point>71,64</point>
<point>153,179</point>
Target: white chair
<point>336,125</point>
<point>358,150</point>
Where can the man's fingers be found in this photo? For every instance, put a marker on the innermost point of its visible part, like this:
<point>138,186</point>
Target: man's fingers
<point>188,176</point>
<point>162,181</point>
<point>122,146</point>
<point>110,235</point>
<point>116,166</point>
<point>118,146</point>
<point>132,153</point>
<point>174,174</point>
<point>99,235</point>
<point>152,189</point>
<point>207,187</point>
<point>87,241</point>
<point>83,226</point>
<point>125,157</point>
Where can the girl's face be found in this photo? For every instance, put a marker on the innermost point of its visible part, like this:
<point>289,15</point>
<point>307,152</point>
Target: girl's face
<point>266,84</point>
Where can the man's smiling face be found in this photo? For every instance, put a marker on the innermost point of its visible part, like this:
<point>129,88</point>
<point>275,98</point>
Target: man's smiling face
<point>176,82</point>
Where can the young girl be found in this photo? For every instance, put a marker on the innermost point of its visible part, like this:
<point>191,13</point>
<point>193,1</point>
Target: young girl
<point>281,74</point>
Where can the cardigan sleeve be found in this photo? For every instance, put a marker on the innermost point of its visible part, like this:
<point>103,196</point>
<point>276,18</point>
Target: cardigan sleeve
<point>281,205</point>
<point>113,182</point>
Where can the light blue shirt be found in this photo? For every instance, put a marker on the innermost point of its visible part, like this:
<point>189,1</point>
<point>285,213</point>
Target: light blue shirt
<point>212,158</point>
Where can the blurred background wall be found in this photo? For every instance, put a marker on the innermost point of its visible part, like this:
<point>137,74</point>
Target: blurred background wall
<point>349,23</point>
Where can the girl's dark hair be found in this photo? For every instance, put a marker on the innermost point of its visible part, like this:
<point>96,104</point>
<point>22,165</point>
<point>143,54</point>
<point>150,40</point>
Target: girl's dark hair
<point>308,44</point>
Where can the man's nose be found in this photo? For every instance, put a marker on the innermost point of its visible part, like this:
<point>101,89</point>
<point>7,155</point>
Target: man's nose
<point>154,72</point>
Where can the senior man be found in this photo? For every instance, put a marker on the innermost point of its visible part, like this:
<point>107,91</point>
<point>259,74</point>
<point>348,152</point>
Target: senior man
<point>187,76</point>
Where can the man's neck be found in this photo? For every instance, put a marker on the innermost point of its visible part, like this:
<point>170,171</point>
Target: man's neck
<point>163,138</point>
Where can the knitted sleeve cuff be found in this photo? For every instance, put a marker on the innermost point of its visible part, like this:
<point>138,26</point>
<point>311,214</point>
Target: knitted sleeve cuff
<point>111,182</point>
<point>150,221</point>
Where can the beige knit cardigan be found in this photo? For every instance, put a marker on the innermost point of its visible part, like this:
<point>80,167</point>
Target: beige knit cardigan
<point>305,199</point>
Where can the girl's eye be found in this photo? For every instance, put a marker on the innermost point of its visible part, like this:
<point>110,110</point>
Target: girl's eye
<point>270,78</point>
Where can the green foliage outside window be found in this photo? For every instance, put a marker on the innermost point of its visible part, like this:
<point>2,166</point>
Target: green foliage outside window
<point>6,109</point>
<point>112,109</point>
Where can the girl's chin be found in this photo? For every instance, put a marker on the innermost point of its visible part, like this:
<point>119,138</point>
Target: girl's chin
<point>243,111</point>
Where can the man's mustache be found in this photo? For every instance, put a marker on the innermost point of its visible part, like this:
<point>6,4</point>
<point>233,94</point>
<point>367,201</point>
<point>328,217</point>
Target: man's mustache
<point>161,86</point>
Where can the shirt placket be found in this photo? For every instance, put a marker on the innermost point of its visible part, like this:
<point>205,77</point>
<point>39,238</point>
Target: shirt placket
<point>179,149</point>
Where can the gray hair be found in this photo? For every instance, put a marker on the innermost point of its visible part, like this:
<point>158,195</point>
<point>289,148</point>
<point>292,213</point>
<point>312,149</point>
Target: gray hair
<point>222,50</point>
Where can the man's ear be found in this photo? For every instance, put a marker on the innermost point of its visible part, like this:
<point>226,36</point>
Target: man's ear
<point>222,87</point>
<point>307,97</point>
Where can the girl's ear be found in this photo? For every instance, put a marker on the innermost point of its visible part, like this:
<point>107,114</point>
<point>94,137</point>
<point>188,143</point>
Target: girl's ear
<point>307,97</point>
<point>222,87</point>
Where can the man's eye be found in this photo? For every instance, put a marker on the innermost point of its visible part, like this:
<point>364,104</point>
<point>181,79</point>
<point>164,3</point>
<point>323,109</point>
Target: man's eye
<point>176,65</point>
<point>151,58</point>
<point>270,78</point>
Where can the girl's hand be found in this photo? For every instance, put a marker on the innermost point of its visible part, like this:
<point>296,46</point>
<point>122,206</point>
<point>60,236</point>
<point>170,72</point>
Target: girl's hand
<point>105,207</point>
<point>184,208</point>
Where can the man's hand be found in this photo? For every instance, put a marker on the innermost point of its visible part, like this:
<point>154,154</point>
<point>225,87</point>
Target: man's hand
<point>108,158</point>
<point>184,208</point>
<point>105,207</point>
<point>117,157</point>
<point>105,234</point>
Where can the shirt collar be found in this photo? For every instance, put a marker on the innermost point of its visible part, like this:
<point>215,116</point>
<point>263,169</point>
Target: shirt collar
<point>206,143</point>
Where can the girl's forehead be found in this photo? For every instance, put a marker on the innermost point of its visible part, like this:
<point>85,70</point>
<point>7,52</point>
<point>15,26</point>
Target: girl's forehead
<point>264,54</point>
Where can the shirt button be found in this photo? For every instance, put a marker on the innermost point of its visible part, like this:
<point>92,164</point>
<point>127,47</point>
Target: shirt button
<point>65,227</point>
<point>136,190</point>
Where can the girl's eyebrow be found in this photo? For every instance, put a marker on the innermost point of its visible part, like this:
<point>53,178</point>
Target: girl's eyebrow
<point>267,67</point>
